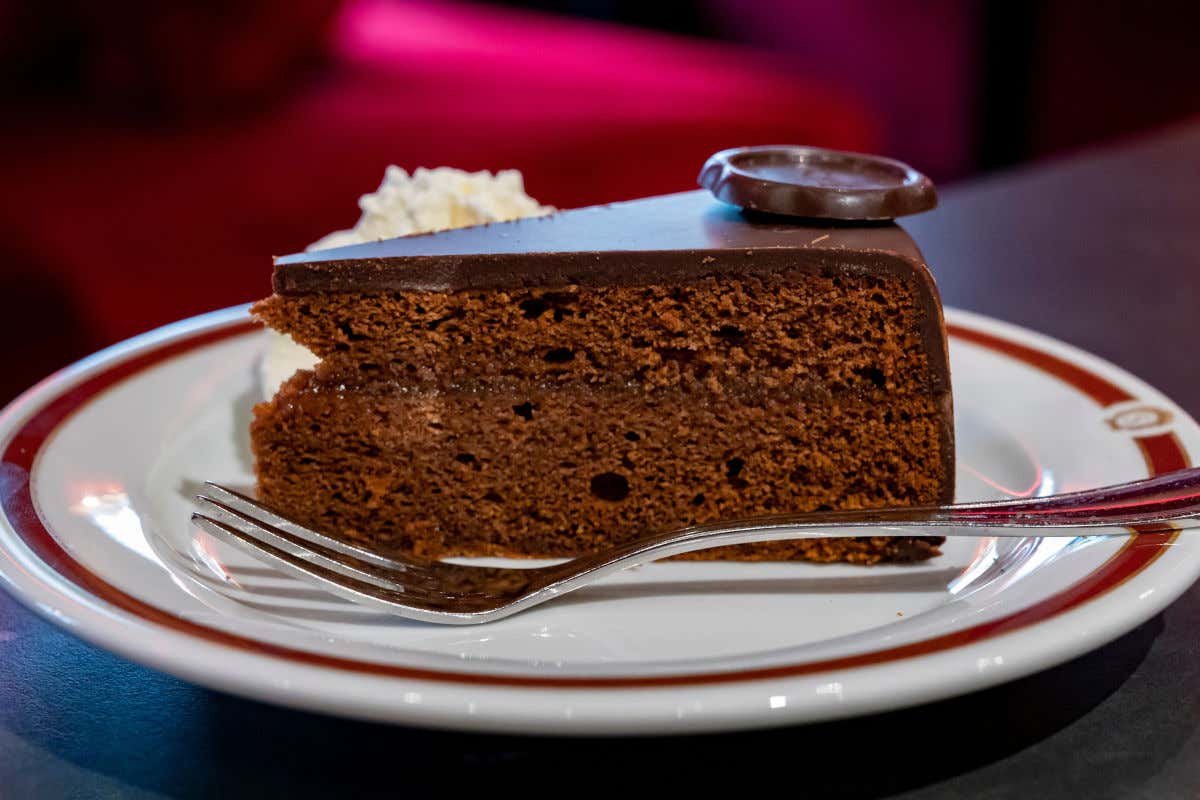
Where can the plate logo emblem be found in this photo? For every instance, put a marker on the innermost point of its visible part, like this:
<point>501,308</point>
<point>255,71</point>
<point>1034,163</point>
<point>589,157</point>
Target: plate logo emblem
<point>1138,418</point>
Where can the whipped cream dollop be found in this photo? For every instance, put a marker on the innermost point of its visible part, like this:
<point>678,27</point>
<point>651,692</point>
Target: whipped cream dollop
<point>427,200</point>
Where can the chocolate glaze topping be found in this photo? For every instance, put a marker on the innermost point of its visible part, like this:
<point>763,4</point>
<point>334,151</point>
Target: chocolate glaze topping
<point>670,237</point>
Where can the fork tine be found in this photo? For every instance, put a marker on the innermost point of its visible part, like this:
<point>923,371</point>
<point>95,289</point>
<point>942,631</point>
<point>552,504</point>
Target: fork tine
<point>392,600</point>
<point>298,547</point>
<point>253,510</point>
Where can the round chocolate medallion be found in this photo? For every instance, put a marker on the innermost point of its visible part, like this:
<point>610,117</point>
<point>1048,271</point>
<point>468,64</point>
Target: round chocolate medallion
<point>815,182</point>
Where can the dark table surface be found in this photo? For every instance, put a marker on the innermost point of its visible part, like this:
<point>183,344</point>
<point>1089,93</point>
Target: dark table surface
<point>1101,250</point>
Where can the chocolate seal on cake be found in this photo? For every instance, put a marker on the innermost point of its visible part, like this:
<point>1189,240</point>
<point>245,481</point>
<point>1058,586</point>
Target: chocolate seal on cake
<point>813,182</point>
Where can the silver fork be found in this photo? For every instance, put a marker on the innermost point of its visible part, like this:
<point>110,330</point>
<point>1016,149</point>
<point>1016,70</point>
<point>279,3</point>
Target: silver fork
<point>454,594</point>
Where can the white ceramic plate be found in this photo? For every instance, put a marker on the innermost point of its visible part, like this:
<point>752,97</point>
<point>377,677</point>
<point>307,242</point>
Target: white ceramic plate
<point>99,461</point>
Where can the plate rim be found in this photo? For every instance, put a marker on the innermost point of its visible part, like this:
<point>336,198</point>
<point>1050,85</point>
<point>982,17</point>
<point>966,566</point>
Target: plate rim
<point>104,624</point>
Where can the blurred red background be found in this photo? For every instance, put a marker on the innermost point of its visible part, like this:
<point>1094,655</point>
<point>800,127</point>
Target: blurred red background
<point>156,154</point>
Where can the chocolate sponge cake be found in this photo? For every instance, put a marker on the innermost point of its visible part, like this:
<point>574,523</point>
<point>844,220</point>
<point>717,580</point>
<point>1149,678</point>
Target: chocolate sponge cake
<point>550,386</point>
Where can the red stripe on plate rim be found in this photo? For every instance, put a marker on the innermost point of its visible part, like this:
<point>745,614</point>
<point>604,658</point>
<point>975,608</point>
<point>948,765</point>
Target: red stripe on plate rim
<point>1163,453</point>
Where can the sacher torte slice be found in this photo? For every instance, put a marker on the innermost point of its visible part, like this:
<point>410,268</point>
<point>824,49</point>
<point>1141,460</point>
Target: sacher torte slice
<point>549,386</point>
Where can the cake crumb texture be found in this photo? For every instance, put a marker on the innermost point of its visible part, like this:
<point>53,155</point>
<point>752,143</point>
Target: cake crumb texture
<point>558,472</point>
<point>826,334</point>
<point>552,422</point>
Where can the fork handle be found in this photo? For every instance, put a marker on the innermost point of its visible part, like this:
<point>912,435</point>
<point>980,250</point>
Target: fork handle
<point>1166,501</point>
<point>1172,496</point>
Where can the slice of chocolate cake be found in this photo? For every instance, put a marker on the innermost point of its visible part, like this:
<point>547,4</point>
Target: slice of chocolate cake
<point>550,386</point>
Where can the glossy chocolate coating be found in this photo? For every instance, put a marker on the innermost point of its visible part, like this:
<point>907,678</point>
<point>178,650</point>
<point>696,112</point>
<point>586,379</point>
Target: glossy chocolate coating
<point>667,238</point>
<point>816,183</point>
